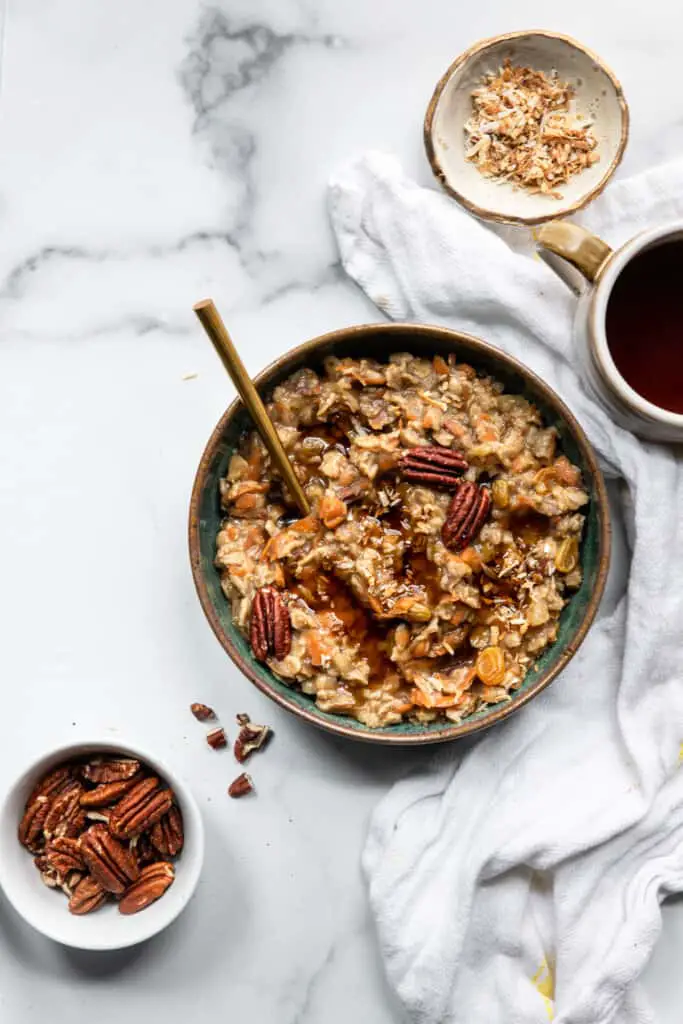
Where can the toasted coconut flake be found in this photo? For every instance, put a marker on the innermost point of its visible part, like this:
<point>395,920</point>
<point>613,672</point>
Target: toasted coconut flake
<point>523,131</point>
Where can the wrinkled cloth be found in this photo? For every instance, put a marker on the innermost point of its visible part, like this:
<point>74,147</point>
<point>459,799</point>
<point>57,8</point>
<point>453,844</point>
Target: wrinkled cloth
<point>517,879</point>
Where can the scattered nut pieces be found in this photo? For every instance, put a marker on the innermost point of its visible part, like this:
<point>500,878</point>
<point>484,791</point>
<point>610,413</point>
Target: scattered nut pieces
<point>521,130</point>
<point>137,827</point>
<point>202,712</point>
<point>251,737</point>
<point>217,739</point>
<point>241,786</point>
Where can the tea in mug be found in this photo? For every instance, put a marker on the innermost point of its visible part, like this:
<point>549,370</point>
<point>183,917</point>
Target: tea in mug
<point>644,324</point>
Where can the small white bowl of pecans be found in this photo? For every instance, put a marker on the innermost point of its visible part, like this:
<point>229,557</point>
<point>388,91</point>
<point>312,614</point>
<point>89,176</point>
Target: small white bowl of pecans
<point>526,127</point>
<point>101,846</point>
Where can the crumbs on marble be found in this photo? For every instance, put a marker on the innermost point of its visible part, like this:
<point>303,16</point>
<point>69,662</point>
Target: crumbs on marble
<point>189,376</point>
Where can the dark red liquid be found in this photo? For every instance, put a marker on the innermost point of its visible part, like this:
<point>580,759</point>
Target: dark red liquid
<point>645,325</point>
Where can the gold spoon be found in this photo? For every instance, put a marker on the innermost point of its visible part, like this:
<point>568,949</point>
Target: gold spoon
<point>211,321</point>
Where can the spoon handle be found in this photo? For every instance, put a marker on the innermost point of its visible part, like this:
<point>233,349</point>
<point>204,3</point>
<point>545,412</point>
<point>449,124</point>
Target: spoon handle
<point>211,321</point>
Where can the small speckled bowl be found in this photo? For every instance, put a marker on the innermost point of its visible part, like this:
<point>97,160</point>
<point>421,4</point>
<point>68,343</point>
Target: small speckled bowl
<point>379,341</point>
<point>598,96</point>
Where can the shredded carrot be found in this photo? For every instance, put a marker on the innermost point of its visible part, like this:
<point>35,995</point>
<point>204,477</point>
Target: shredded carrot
<point>403,709</point>
<point>459,615</point>
<point>440,366</point>
<point>565,472</point>
<point>446,700</point>
<point>454,428</point>
<point>309,524</point>
<point>268,552</point>
<point>470,556</point>
<point>314,646</point>
<point>430,420</point>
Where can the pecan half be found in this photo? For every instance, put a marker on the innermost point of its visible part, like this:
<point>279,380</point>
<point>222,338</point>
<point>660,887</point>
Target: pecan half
<point>217,739</point>
<point>271,626</point>
<point>52,783</point>
<point>110,769</point>
<point>110,862</point>
<point>153,882</point>
<point>30,830</point>
<point>65,811</point>
<point>107,793</point>
<point>466,515</point>
<point>87,896</point>
<point>202,712</point>
<point>240,786</point>
<point>433,467</point>
<point>140,808</point>
<point>251,737</point>
<point>64,855</point>
<point>167,835</point>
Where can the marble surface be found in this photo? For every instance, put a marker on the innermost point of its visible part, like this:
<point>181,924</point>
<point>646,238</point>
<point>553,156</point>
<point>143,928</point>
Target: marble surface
<point>154,153</point>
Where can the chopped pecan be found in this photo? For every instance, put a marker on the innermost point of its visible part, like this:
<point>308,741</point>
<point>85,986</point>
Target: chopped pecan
<point>110,769</point>
<point>167,835</point>
<point>52,783</point>
<point>65,811</point>
<point>142,847</point>
<point>107,793</point>
<point>153,882</point>
<point>140,808</point>
<point>355,491</point>
<point>69,882</point>
<point>217,739</point>
<point>202,712</point>
<point>110,862</point>
<point>48,875</point>
<point>271,625</point>
<point>466,515</point>
<point>30,831</point>
<point>87,896</point>
<point>433,467</point>
<point>64,855</point>
<point>251,737</point>
<point>241,786</point>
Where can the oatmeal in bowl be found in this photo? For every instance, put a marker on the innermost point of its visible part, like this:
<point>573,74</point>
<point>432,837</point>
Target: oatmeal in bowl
<point>456,546</point>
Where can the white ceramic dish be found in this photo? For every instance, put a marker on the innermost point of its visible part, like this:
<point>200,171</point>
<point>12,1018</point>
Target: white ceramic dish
<point>104,929</point>
<point>598,95</point>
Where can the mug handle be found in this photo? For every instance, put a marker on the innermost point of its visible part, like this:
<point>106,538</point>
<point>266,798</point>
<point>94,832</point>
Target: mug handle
<point>575,246</point>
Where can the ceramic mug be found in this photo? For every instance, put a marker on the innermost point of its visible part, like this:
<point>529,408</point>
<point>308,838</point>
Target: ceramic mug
<point>564,246</point>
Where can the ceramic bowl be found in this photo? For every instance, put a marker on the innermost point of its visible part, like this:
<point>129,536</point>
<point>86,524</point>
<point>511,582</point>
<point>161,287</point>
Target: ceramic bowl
<point>106,928</point>
<point>598,96</point>
<point>379,341</point>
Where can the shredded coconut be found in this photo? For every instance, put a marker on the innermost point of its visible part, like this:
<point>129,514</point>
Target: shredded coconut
<point>523,131</point>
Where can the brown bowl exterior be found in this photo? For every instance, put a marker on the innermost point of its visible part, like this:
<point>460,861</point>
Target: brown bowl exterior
<point>380,341</point>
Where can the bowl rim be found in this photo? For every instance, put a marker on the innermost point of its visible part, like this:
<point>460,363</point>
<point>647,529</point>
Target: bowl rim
<point>77,748</point>
<point>482,211</point>
<point>301,353</point>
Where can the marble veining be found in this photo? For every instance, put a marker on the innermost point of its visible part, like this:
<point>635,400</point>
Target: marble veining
<point>154,154</point>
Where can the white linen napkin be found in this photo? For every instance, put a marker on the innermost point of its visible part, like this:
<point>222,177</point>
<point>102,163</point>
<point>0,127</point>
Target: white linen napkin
<point>517,879</point>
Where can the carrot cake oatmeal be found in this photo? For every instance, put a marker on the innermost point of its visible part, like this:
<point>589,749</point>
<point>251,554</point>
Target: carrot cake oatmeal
<point>442,545</point>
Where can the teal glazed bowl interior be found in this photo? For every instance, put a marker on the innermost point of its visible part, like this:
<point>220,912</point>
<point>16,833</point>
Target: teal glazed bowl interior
<point>379,341</point>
